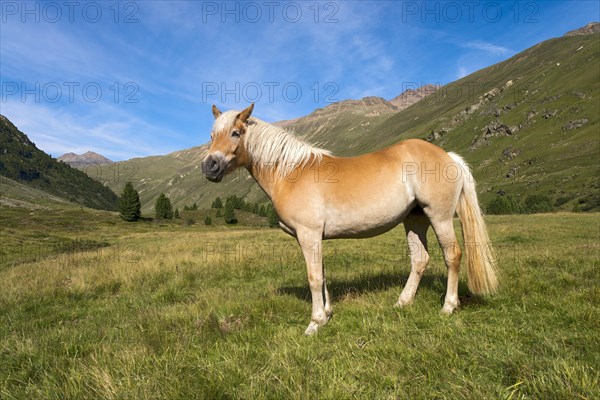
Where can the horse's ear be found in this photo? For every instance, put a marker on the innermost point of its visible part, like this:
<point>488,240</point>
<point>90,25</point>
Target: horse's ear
<point>244,115</point>
<point>216,112</point>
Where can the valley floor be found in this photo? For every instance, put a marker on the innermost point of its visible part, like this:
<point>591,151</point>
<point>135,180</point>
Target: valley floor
<point>93,307</point>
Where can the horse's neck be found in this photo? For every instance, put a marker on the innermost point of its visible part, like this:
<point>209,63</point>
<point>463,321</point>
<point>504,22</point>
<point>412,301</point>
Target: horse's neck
<point>271,175</point>
<point>265,176</point>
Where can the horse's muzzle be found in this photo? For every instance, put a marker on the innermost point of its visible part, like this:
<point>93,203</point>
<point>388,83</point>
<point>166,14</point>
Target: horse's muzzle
<point>214,168</point>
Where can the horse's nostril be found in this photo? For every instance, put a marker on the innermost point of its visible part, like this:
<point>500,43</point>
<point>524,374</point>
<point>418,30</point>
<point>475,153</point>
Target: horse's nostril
<point>211,167</point>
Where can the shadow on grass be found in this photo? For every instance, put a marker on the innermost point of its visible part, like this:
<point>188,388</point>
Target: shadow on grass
<point>342,290</point>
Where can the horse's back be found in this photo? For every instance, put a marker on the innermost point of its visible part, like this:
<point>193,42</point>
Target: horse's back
<point>416,150</point>
<point>364,195</point>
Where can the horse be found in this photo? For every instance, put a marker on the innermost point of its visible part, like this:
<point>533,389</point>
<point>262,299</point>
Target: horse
<point>319,196</point>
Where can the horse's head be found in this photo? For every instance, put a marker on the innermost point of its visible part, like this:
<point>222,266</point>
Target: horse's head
<point>227,150</point>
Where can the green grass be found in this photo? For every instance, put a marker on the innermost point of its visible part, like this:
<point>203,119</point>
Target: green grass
<point>175,311</point>
<point>42,232</point>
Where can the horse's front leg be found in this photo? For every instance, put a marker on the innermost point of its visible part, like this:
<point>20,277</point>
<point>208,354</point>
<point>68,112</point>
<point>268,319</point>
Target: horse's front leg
<point>311,243</point>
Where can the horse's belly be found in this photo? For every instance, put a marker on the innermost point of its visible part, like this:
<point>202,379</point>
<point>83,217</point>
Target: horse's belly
<point>362,222</point>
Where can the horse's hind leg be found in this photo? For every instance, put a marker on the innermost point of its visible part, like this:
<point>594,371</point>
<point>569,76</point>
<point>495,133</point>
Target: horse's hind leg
<point>415,225</point>
<point>444,230</point>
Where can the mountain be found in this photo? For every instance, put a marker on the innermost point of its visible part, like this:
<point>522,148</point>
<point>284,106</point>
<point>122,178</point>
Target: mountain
<point>410,96</point>
<point>340,121</point>
<point>371,106</point>
<point>21,161</point>
<point>527,125</point>
<point>85,159</point>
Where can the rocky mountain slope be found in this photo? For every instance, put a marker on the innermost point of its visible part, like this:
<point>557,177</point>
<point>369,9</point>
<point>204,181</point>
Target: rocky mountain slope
<point>527,125</point>
<point>592,27</point>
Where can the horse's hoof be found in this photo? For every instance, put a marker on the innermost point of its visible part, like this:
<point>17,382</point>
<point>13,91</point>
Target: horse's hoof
<point>313,327</point>
<point>403,303</point>
<point>448,309</point>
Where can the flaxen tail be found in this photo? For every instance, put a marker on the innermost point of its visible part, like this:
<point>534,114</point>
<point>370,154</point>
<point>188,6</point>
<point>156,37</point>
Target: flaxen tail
<point>481,262</point>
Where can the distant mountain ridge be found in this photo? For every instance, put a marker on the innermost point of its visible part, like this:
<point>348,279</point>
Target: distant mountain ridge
<point>369,106</point>
<point>348,119</point>
<point>22,162</point>
<point>410,96</point>
<point>85,159</point>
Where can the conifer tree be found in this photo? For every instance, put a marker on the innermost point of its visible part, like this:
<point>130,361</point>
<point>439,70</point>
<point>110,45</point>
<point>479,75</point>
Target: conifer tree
<point>217,203</point>
<point>229,213</point>
<point>163,208</point>
<point>129,204</point>
<point>262,211</point>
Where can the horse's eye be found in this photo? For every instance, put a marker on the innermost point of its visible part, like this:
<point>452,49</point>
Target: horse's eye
<point>235,134</point>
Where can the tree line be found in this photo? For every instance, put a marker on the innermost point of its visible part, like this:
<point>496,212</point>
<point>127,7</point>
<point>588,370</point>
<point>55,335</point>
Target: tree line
<point>130,208</point>
<point>234,202</point>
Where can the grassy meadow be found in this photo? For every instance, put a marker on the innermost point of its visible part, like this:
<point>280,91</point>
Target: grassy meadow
<point>168,310</point>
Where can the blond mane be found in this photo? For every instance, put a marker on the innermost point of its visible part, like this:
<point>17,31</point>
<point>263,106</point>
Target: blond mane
<point>272,146</point>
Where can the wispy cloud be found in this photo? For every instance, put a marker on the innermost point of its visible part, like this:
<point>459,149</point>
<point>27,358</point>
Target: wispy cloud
<point>59,131</point>
<point>47,53</point>
<point>487,47</point>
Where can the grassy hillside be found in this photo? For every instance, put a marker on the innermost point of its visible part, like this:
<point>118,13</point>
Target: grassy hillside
<point>15,194</point>
<point>342,126</point>
<point>551,108</point>
<point>22,161</point>
<point>221,315</point>
<point>527,125</point>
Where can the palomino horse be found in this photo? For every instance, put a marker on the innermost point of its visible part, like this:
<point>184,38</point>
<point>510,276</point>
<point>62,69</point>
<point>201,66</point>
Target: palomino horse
<point>319,196</point>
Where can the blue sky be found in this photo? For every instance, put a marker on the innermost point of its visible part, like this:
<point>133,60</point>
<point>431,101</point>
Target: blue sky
<point>138,78</point>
